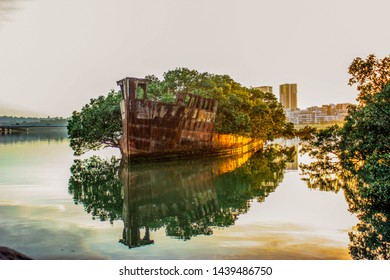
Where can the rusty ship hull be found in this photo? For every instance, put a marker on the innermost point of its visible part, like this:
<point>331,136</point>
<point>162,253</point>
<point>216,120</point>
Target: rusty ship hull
<point>158,131</point>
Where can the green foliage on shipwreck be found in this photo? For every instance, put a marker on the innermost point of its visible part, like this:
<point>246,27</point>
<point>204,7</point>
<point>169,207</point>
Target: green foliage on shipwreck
<point>241,110</point>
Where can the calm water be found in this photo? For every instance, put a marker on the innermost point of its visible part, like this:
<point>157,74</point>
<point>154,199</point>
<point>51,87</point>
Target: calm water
<point>252,207</point>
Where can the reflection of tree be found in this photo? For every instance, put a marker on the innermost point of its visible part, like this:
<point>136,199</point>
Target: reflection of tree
<point>324,173</point>
<point>256,179</point>
<point>187,198</point>
<point>370,238</point>
<point>323,180</point>
<point>95,183</point>
<point>179,196</point>
<point>367,196</point>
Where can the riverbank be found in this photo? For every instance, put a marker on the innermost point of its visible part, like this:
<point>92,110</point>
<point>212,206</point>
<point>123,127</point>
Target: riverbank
<point>317,126</point>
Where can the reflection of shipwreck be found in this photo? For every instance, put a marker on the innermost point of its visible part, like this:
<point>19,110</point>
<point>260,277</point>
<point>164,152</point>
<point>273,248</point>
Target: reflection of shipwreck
<point>161,131</point>
<point>187,199</point>
<point>181,197</point>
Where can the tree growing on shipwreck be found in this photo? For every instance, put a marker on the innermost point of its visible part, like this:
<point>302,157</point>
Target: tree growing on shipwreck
<point>241,111</point>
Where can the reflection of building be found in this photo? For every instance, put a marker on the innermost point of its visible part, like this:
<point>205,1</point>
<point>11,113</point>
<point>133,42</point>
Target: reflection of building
<point>267,89</point>
<point>288,96</point>
<point>293,165</point>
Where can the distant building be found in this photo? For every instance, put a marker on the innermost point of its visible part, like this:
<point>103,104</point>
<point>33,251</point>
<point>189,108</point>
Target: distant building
<point>315,114</point>
<point>288,96</point>
<point>265,88</point>
<point>343,106</point>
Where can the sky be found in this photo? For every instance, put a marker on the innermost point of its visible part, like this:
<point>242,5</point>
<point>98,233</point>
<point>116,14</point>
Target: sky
<point>55,55</point>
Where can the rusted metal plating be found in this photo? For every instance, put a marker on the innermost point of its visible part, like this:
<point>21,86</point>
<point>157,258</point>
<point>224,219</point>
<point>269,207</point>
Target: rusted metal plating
<point>156,127</point>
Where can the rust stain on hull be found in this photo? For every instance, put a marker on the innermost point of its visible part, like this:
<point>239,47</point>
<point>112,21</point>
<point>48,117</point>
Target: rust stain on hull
<point>162,131</point>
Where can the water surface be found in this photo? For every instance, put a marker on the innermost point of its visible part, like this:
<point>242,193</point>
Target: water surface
<point>252,207</point>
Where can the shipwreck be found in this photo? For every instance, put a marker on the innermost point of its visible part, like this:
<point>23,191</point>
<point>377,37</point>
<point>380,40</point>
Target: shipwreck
<point>158,131</point>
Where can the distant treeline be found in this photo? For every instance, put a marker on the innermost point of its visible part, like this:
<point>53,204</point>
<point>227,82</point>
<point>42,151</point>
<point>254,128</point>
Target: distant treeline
<point>36,134</point>
<point>30,121</point>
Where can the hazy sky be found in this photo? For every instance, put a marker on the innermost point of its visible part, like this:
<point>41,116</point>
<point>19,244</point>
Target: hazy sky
<point>57,54</point>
